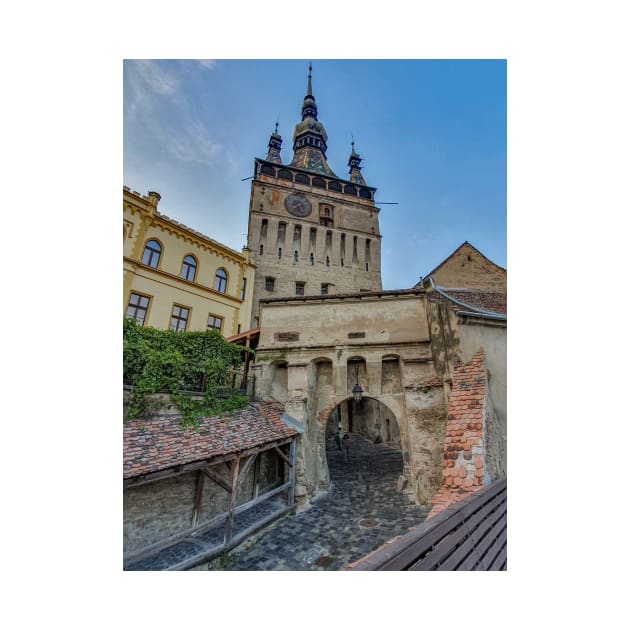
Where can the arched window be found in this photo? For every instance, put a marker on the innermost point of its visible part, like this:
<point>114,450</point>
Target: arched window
<point>151,254</point>
<point>220,281</point>
<point>189,268</point>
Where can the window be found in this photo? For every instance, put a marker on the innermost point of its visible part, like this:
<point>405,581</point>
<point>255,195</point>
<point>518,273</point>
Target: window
<point>215,322</point>
<point>243,287</point>
<point>189,268</point>
<point>327,261</point>
<point>220,281</point>
<point>138,307</point>
<point>279,252</point>
<point>295,255</point>
<point>312,259</point>
<point>270,284</point>
<point>324,289</point>
<point>261,249</point>
<point>299,288</point>
<point>151,254</point>
<point>179,318</point>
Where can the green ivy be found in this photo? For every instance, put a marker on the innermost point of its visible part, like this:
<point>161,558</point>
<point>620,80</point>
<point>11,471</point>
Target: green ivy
<point>175,362</point>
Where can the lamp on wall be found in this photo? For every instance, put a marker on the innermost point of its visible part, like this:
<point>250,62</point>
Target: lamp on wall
<point>357,392</point>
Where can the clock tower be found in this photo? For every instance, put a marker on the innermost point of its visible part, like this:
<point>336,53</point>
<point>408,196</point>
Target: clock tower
<point>311,232</point>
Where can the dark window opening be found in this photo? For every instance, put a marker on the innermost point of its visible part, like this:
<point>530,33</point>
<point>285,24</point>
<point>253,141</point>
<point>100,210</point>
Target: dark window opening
<point>215,323</point>
<point>299,288</point>
<point>151,254</point>
<point>137,308</point>
<point>220,281</point>
<point>270,284</point>
<point>179,318</point>
<point>189,268</point>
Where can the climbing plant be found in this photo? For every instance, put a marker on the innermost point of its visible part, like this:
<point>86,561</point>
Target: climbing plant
<point>177,362</point>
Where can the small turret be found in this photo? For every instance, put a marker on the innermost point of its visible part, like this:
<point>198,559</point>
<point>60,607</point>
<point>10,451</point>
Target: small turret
<point>275,144</point>
<point>354,162</point>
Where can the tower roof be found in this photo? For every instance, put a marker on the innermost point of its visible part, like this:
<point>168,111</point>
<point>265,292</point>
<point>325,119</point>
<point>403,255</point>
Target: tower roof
<point>310,137</point>
<point>275,144</point>
<point>354,162</point>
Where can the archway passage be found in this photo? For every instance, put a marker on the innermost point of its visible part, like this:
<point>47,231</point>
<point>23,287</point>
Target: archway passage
<point>374,447</point>
<point>362,509</point>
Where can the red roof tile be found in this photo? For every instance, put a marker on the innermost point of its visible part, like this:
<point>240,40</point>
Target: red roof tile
<point>161,442</point>
<point>474,299</point>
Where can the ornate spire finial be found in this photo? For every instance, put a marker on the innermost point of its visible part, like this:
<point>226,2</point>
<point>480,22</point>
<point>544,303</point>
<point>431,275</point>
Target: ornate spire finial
<point>309,88</point>
<point>276,131</point>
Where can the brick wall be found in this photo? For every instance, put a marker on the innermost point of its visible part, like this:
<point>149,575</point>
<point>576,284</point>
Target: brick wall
<point>464,466</point>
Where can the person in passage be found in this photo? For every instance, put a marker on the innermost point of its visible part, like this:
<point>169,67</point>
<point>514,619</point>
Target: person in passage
<point>338,439</point>
<point>345,442</point>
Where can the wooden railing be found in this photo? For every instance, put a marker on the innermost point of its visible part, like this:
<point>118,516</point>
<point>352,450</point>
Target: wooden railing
<point>470,535</point>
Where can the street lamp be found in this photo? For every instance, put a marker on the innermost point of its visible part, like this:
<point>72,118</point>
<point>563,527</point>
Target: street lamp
<point>357,392</point>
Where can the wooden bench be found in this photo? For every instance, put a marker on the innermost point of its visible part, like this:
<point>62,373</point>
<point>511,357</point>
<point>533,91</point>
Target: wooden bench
<point>470,535</point>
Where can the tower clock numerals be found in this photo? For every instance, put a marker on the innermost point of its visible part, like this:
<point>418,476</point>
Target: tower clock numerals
<point>298,205</point>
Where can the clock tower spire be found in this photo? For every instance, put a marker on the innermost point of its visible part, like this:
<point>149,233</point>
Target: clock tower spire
<point>310,137</point>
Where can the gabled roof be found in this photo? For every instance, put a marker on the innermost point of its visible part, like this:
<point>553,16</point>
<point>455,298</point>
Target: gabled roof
<point>477,299</point>
<point>464,244</point>
<point>160,443</point>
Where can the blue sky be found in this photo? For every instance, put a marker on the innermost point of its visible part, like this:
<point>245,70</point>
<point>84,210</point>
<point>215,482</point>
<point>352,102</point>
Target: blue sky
<point>432,135</point>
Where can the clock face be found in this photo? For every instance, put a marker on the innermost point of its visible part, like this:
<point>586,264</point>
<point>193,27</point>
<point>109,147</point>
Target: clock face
<point>298,205</point>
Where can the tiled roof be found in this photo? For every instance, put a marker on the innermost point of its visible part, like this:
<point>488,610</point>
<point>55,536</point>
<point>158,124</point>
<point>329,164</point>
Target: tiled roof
<point>478,299</point>
<point>160,443</point>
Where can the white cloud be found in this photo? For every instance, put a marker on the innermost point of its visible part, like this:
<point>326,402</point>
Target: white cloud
<point>193,145</point>
<point>208,64</point>
<point>154,77</point>
<point>158,110</point>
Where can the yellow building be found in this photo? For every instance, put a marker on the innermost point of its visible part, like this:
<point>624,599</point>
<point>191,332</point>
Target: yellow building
<point>177,278</point>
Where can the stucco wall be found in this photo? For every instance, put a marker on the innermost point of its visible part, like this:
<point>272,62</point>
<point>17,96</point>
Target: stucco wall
<point>333,322</point>
<point>164,286</point>
<point>493,341</point>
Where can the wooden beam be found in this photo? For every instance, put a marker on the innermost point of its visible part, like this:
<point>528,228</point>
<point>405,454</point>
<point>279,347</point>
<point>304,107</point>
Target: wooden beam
<point>229,521</point>
<point>218,479</point>
<point>246,467</point>
<point>198,494</point>
<point>257,476</point>
<point>291,493</point>
<point>282,455</point>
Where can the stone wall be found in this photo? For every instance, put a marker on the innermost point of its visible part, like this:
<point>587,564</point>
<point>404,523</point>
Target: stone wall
<point>345,256</point>
<point>383,343</point>
<point>467,267</point>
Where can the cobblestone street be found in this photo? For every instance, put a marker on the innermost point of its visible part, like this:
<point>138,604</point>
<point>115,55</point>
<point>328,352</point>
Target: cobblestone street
<point>362,511</point>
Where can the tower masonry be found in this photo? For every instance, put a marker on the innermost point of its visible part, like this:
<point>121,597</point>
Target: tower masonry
<point>311,232</point>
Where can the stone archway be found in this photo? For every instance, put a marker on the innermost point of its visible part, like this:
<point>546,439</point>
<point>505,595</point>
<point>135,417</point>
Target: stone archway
<point>370,421</point>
